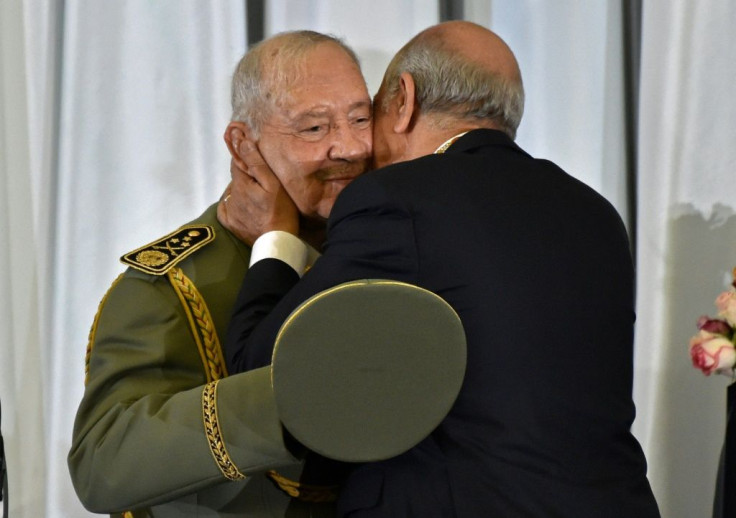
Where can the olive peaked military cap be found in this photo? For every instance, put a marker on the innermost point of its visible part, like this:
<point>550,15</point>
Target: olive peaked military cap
<point>367,369</point>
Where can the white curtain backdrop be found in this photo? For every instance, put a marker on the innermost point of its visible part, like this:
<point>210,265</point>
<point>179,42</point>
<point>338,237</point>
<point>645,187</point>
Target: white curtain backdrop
<point>21,359</point>
<point>375,43</point>
<point>111,117</point>
<point>687,238</point>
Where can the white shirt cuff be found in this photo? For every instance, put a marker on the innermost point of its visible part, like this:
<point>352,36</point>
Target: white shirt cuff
<point>284,247</point>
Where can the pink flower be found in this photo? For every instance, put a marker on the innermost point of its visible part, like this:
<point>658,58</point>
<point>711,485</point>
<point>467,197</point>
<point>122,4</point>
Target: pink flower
<point>726,303</point>
<point>712,353</point>
<point>714,325</point>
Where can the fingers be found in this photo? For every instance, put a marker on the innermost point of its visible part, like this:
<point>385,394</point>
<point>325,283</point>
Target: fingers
<point>258,169</point>
<point>255,202</point>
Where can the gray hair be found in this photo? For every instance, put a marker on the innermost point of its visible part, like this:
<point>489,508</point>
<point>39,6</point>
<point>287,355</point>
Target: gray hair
<point>264,75</point>
<point>446,83</point>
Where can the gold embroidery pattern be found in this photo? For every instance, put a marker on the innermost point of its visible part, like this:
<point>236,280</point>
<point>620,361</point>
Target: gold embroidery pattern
<point>158,257</point>
<point>214,436</point>
<point>152,258</point>
<point>200,321</point>
<point>304,492</point>
<point>93,329</point>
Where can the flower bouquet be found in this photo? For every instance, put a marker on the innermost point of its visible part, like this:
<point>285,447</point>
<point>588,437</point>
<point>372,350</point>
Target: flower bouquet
<point>712,349</point>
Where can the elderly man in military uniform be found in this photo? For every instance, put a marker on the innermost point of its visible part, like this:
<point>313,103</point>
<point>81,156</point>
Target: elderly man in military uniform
<point>162,431</point>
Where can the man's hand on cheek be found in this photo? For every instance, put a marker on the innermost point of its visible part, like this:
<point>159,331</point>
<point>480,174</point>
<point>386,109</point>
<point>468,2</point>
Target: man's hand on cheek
<point>255,202</point>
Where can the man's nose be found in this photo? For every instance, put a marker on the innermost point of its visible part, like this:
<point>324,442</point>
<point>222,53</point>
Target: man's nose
<point>349,143</point>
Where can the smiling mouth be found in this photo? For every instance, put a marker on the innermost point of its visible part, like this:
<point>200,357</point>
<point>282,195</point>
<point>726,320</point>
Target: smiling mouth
<point>345,173</point>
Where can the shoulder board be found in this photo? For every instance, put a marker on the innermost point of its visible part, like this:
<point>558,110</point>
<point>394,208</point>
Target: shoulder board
<point>158,257</point>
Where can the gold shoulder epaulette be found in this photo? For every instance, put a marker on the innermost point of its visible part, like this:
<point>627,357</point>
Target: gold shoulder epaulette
<point>158,257</point>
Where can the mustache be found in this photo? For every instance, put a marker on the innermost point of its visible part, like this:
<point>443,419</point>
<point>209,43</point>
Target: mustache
<point>347,170</point>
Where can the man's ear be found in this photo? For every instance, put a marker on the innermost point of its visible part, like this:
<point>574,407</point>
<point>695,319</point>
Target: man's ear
<point>235,133</point>
<point>406,99</point>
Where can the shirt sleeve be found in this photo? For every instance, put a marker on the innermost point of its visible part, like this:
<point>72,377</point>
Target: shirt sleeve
<point>285,247</point>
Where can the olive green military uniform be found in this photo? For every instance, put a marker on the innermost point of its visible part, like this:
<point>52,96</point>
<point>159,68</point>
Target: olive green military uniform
<point>161,431</point>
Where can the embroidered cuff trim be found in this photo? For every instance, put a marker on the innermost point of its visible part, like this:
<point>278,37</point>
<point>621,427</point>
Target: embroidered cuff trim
<point>214,435</point>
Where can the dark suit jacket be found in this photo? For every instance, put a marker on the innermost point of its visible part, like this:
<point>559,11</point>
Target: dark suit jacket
<point>538,267</point>
<point>724,503</point>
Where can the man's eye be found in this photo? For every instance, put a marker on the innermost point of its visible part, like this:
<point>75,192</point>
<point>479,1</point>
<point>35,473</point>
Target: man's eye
<point>315,132</point>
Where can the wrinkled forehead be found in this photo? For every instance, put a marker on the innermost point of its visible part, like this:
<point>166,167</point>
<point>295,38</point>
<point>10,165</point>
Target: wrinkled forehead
<point>322,79</point>
<point>284,69</point>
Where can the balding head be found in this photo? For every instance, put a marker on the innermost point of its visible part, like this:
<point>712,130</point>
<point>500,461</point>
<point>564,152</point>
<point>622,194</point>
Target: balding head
<point>462,71</point>
<point>270,68</point>
<point>476,44</point>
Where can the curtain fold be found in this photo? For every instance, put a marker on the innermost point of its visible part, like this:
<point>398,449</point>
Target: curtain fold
<point>21,355</point>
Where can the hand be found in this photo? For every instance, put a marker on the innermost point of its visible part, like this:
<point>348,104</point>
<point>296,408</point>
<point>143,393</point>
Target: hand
<point>255,202</point>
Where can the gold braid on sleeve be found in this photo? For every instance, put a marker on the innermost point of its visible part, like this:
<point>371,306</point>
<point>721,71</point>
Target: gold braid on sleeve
<point>214,435</point>
<point>201,324</point>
